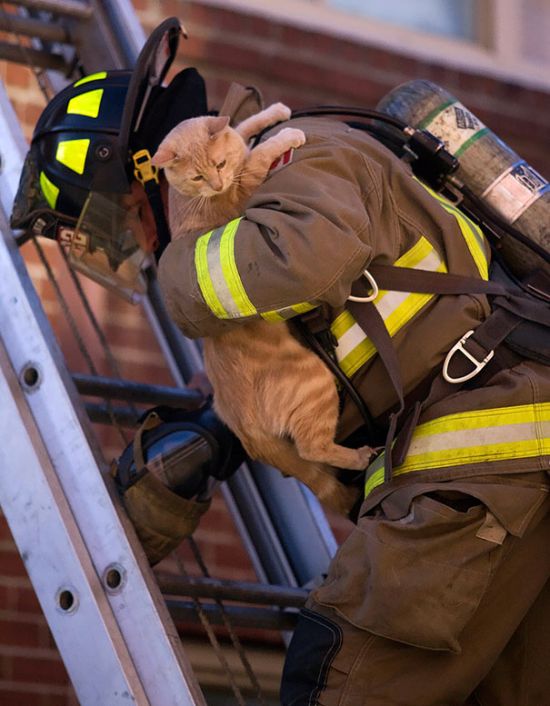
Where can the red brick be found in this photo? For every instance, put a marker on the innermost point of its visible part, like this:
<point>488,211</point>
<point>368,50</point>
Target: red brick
<point>28,695</point>
<point>40,670</point>
<point>21,633</point>
<point>11,563</point>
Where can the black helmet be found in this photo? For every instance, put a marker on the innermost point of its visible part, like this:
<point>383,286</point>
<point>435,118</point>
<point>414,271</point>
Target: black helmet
<point>91,141</point>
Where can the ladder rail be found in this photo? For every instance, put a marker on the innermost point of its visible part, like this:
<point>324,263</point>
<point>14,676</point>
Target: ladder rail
<point>137,605</point>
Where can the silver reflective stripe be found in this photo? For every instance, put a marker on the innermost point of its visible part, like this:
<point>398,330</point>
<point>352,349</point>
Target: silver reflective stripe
<point>215,268</point>
<point>488,435</point>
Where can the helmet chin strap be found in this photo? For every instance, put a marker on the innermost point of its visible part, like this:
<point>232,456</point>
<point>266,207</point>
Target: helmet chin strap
<point>147,174</point>
<point>154,196</point>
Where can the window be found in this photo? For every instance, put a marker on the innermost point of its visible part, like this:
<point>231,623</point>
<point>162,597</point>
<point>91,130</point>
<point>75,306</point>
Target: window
<point>444,17</point>
<point>504,38</point>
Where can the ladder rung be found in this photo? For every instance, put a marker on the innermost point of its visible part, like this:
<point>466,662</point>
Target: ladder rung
<point>34,57</point>
<point>49,32</point>
<point>113,388</point>
<point>245,617</point>
<point>245,592</point>
<point>68,8</point>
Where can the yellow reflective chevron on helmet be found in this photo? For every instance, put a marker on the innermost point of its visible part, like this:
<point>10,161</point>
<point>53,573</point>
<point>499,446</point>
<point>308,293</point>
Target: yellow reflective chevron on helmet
<point>72,153</point>
<point>501,433</point>
<point>87,104</point>
<point>92,77</point>
<point>49,189</point>
<point>396,308</point>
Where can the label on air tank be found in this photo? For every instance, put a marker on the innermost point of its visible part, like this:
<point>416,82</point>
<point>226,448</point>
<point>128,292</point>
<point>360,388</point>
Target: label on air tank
<point>515,190</point>
<point>455,126</point>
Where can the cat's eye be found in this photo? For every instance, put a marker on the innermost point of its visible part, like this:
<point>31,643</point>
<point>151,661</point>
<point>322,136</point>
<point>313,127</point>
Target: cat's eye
<point>221,165</point>
<point>198,178</point>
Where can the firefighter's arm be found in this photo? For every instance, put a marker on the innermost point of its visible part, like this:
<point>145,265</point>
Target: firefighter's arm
<point>302,241</point>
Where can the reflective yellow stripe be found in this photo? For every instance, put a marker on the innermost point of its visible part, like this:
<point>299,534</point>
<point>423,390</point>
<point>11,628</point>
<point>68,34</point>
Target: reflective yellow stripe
<point>221,284</point>
<point>497,434</point>
<point>396,308</point>
<point>230,271</point>
<point>287,312</point>
<point>471,232</point>
<point>354,349</point>
<point>72,153</point>
<point>92,77</point>
<point>87,104</point>
<point>203,277</point>
<point>217,273</point>
<point>49,189</point>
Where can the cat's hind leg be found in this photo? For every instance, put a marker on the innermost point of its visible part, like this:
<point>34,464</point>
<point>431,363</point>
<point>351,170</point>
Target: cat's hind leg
<point>312,426</point>
<point>318,477</point>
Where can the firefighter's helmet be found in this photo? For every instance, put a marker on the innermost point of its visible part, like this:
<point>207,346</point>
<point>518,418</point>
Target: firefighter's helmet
<point>82,161</point>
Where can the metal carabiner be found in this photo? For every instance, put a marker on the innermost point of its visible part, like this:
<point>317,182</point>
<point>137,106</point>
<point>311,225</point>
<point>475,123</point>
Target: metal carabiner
<point>459,348</point>
<point>374,288</point>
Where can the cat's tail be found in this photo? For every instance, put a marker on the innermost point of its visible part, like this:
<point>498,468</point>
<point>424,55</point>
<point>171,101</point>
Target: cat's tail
<point>320,478</point>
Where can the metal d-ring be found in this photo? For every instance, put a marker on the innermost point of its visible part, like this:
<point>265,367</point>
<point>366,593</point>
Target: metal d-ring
<point>374,288</point>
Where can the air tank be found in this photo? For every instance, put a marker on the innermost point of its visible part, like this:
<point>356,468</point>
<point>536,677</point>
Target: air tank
<point>491,169</point>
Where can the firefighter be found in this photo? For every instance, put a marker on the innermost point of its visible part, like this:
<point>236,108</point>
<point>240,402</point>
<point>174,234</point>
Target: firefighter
<point>439,596</point>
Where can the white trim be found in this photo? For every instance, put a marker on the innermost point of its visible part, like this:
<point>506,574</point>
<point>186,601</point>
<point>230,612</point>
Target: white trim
<point>502,62</point>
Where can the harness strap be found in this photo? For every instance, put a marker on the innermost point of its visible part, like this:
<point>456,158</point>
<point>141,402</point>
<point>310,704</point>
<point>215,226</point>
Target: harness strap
<point>510,307</point>
<point>368,316</point>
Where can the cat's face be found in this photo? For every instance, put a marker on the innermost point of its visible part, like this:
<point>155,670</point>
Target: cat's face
<point>201,156</point>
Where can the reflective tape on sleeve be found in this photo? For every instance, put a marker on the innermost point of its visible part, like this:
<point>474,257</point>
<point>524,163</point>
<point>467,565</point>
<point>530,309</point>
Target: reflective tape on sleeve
<point>217,273</point>
<point>354,348</point>
<point>220,283</point>
<point>466,438</point>
<point>278,315</point>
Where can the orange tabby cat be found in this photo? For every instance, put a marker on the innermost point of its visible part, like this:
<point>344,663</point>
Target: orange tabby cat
<point>276,395</point>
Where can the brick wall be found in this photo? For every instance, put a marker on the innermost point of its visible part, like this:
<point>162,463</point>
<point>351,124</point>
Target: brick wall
<point>301,68</point>
<point>306,68</point>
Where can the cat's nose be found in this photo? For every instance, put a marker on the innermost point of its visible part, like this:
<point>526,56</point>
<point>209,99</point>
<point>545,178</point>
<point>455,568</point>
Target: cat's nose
<point>216,185</point>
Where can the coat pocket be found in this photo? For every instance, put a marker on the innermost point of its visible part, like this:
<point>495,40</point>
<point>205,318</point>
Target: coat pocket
<point>417,579</point>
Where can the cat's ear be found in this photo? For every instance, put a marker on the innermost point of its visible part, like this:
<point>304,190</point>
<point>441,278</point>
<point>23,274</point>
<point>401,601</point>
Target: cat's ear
<point>163,157</point>
<point>217,124</point>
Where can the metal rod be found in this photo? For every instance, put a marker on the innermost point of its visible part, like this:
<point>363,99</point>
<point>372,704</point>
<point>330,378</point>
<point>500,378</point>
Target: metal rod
<point>111,415</point>
<point>48,31</point>
<point>262,618</point>
<point>112,388</point>
<point>267,594</point>
<point>68,8</point>
<point>39,59</point>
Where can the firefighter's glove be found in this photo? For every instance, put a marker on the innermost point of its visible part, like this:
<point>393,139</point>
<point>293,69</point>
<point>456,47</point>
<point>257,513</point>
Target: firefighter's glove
<point>167,475</point>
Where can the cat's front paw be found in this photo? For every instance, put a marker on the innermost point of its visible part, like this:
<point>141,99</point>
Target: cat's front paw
<point>279,112</point>
<point>292,137</point>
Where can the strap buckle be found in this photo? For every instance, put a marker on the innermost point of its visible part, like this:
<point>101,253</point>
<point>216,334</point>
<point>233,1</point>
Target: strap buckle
<point>459,348</point>
<point>144,171</point>
<point>374,290</point>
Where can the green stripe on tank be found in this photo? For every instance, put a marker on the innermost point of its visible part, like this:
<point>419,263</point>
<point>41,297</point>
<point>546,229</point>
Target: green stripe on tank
<point>470,141</point>
<point>431,116</point>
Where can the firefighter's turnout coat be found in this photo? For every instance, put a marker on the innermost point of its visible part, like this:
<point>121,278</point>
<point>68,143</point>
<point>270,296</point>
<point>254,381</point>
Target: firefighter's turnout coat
<point>325,213</point>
